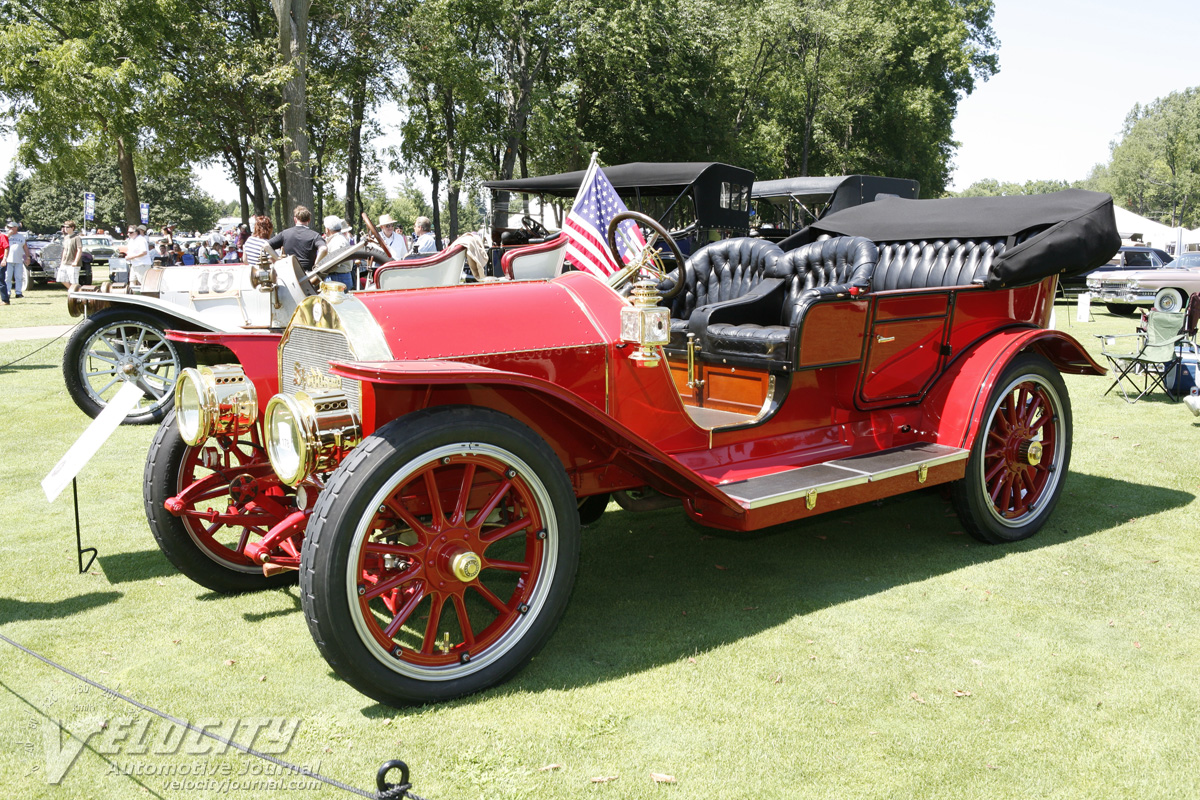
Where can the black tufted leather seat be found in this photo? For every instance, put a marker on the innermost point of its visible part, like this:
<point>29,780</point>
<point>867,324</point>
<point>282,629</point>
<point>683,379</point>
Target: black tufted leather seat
<point>825,268</point>
<point>916,265</point>
<point>719,272</point>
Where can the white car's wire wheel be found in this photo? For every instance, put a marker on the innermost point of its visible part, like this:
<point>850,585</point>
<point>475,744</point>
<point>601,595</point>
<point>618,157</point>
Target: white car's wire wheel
<point>121,346</point>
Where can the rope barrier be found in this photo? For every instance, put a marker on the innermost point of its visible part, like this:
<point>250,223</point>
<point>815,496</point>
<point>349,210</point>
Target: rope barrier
<point>40,349</point>
<point>387,791</point>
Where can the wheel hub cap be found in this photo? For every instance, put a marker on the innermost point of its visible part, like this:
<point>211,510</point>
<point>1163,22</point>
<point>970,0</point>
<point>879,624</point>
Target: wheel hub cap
<point>1030,452</point>
<point>466,566</point>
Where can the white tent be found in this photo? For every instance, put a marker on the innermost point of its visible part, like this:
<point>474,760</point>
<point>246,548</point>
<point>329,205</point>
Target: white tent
<point>1147,231</point>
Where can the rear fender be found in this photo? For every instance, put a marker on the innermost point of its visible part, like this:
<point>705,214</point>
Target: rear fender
<point>953,409</point>
<point>598,453</point>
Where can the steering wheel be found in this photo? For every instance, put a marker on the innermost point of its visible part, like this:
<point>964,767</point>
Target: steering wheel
<point>534,227</point>
<point>650,261</point>
<point>373,235</point>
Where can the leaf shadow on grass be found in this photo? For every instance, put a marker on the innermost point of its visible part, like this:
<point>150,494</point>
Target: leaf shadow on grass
<point>653,589</point>
<point>139,566</point>
<point>12,609</point>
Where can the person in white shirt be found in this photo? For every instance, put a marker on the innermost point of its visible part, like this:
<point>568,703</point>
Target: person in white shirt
<point>137,253</point>
<point>17,258</point>
<point>425,241</point>
<point>335,241</point>
<point>397,243</point>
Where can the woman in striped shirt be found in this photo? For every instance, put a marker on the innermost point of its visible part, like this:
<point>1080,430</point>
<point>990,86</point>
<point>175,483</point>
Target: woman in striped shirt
<point>263,230</point>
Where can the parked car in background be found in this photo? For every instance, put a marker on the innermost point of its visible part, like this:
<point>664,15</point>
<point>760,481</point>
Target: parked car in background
<point>124,336</point>
<point>1165,288</point>
<point>1130,257</point>
<point>781,207</point>
<point>47,255</point>
<point>101,246</point>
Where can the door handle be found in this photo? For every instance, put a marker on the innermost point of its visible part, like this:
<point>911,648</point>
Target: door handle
<point>884,339</point>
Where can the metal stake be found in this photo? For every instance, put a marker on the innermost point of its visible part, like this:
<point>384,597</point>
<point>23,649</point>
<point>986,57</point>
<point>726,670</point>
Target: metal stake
<point>78,541</point>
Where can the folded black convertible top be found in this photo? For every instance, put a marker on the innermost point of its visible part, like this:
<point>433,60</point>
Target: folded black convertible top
<point>1066,232</point>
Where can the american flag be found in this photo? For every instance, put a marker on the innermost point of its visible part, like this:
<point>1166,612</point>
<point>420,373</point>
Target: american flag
<point>586,227</point>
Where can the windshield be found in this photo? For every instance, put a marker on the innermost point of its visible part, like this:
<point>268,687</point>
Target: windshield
<point>1186,261</point>
<point>97,240</point>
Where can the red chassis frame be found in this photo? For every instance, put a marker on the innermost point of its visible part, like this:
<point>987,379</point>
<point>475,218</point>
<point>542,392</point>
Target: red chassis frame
<point>552,358</point>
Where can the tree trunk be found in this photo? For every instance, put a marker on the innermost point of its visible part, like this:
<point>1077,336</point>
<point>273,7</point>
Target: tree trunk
<point>283,210</point>
<point>453,162</point>
<point>358,104</point>
<point>260,184</point>
<point>292,17</point>
<point>435,179</point>
<point>242,192</point>
<point>133,208</point>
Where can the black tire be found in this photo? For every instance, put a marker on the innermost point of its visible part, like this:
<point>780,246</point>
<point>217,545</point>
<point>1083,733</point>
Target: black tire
<point>195,551</point>
<point>1028,404</point>
<point>115,338</point>
<point>1170,300</point>
<point>1121,309</point>
<point>363,508</point>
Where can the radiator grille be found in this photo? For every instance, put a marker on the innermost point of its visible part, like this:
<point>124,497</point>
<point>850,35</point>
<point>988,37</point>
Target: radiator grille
<point>304,363</point>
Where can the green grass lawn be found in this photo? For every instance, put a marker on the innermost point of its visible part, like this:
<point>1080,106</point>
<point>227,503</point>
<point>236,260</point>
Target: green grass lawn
<point>876,652</point>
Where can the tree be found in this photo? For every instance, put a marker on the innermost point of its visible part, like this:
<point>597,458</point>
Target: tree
<point>12,196</point>
<point>292,19</point>
<point>173,198</point>
<point>1155,167</point>
<point>97,72</point>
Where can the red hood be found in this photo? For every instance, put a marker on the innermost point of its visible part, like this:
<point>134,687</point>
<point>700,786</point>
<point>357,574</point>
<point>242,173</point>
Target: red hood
<point>503,317</point>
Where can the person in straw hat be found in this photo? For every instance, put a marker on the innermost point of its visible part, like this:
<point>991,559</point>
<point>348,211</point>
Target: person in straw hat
<point>393,237</point>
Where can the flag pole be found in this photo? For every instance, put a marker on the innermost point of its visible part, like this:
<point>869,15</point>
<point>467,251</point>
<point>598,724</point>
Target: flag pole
<point>586,176</point>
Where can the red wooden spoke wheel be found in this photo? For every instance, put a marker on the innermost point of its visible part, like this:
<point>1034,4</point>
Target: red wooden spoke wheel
<point>1020,456</point>
<point>472,570</point>
<point>440,556</point>
<point>206,502</point>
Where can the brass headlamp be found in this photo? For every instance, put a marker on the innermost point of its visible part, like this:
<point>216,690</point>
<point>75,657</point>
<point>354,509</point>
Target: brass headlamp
<point>214,401</point>
<point>309,432</point>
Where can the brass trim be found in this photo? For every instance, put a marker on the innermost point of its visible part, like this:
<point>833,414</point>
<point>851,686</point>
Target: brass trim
<point>459,356</point>
<point>466,566</point>
<point>810,499</point>
<point>925,463</point>
<point>762,412</point>
<point>343,314</point>
<point>922,473</point>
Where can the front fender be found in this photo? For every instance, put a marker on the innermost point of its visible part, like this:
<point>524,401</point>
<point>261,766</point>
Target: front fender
<point>953,409</point>
<point>257,353</point>
<point>585,438</point>
<point>171,313</point>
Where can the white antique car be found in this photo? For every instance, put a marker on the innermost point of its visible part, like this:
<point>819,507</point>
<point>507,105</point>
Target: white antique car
<point>123,339</point>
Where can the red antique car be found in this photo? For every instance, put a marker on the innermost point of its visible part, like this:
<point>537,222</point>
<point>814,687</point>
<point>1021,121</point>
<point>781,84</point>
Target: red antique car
<point>428,476</point>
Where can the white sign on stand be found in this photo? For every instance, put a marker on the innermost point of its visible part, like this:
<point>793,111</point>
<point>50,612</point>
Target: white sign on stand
<point>1083,307</point>
<point>90,442</point>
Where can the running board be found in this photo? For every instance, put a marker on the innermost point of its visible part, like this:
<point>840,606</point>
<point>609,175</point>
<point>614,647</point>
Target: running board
<point>809,482</point>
